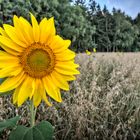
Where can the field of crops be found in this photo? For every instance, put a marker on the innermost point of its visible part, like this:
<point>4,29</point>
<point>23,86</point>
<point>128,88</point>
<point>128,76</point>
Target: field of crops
<point>103,103</point>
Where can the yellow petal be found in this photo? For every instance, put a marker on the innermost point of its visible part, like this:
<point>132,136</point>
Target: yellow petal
<point>65,64</point>
<point>51,26</point>
<point>69,77</point>
<point>7,55</point>
<point>8,50</point>
<point>42,92</point>
<point>12,82</point>
<point>48,30</point>
<point>51,89</point>
<point>10,71</point>
<point>36,99</point>
<point>38,94</point>
<point>66,67</point>
<point>34,87</point>
<point>67,70</point>
<point>14,35</point>
<point>58,44</point>
<point>59,80</point>
<point>28,31</point>
<point>7,60</point>
<point>43,30</point>
<point>25,90</point>
<point>46,99</point>
<point>61,47</point>
<point>6,63</point>
<point>20,30</point>
<point>2,32</point>
<point>36,30</point>
<point>10,44</point>
<point>65,55</point>
<point>15,95</point>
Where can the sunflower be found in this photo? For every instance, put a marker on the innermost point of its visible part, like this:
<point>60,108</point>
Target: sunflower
<point>35,62</point>
<point>94,50</point>
<point>88,52</point>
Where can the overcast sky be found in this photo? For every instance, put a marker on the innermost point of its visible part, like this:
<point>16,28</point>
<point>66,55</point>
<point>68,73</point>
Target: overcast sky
<point>131,7</point>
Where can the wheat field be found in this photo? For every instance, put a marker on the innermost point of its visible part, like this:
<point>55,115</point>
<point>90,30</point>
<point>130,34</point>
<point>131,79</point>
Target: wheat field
<point>102,104</point>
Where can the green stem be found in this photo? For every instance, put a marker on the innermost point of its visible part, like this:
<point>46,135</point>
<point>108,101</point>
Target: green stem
<point>33,114</point>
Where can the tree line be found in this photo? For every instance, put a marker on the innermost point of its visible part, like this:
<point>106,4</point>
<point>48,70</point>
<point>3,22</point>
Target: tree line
<point>84,22</point>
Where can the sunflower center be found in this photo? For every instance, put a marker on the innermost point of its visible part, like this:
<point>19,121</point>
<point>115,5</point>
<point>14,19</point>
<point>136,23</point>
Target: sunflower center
<point>37,60</point>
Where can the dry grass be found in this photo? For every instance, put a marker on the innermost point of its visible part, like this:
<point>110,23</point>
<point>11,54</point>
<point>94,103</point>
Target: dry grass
<point>103,104</point>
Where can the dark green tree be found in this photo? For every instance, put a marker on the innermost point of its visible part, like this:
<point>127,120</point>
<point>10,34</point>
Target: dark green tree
<point>84,22</point>
<point>124,35</point>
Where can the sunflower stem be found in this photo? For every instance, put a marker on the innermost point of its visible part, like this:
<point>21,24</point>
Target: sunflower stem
<point>32,114</point>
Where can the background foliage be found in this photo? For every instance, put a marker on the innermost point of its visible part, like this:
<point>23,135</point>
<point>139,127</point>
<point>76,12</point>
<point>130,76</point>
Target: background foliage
<point>82,21</point>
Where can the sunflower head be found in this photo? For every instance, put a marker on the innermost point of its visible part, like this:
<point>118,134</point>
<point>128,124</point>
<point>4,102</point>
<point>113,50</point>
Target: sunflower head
<point>88,52</point>
<point>35,61</point>
<point>94,50</point>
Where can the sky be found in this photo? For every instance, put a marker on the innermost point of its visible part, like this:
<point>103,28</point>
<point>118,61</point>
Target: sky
<point>130,7</point>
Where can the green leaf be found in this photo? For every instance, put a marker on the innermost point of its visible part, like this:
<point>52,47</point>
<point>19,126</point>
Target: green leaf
<point>46,130</point>
<point>18,133</point>
<point>10,123</point>
<point>42,131</point>
<point>38,135</point>
<point>33,134</point>
<point>25,133</point>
